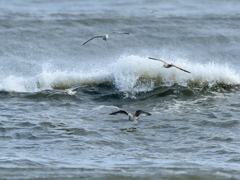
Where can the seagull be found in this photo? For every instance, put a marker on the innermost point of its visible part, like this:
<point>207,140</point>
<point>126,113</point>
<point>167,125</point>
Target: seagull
<point>132,117</point>
<point>71,91</point>
<point>167,65</point>
<point>105,37</point>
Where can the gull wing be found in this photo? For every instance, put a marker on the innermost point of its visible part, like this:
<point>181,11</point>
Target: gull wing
<point>168,63</point>
<point>181,69</point>
<point>119,112</point>
<point>158,60</point>
<point>53,94</point>
<point>74,88</point>
<point>143,113</point>
<point>56,92</point>
<point>118,32</point>
<point>92,39</point>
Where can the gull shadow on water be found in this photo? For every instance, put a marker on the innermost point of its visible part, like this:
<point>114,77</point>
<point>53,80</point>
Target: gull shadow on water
<point>130,129</point>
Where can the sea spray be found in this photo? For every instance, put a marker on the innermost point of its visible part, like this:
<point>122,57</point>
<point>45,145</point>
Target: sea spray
<point>129,74</point>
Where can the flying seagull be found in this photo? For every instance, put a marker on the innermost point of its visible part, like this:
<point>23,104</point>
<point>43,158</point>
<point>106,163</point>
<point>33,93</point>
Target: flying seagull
<point>132,117</point>
<point>71,91</point>
<point>105,37</point>
<point>167,65</point>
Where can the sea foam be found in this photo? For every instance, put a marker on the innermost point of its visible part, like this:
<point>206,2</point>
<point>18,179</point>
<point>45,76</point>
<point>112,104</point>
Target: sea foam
<point>128,74</point>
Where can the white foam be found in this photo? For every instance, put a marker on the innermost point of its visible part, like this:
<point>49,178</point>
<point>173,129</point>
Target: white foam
<point>129,74</point>
<point>126,74</point>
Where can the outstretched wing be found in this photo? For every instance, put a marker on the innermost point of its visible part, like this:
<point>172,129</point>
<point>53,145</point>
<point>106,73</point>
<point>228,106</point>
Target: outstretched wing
<point>142,113</point>
<point>181,69</point>
<point>92,39</point>
<point>170,64</point>
<point>158,60</point>
<point>74,88</point>
<point>119,112</point>
<point>118,32</point>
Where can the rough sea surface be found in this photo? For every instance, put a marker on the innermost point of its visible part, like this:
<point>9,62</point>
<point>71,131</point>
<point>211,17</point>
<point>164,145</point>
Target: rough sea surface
<point>193,132</point>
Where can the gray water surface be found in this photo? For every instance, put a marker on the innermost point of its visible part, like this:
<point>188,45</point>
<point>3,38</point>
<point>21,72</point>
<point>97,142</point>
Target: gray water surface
<point>193,132</point>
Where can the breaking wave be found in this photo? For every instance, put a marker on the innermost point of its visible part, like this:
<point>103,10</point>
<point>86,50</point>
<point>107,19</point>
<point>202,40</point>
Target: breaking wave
<point>130,74</point>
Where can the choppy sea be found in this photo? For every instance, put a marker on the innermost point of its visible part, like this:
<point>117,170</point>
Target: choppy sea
<point>193,132</point>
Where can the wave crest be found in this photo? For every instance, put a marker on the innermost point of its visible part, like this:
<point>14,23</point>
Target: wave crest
<point>129,75</point>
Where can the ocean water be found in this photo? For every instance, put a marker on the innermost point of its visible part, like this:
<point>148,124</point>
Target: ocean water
<point>193,132</point>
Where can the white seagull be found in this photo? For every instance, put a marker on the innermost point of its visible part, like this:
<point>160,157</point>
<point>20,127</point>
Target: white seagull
<point>105,37</point>
<point>132,117</point>
<point>71,91</point>
<point>167,65</point>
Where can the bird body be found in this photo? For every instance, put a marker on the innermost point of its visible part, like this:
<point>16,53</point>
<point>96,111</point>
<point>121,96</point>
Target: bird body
<point>168,65</point>
<point>106,36</point>
<point>132,117</point>
<point>71,91</point>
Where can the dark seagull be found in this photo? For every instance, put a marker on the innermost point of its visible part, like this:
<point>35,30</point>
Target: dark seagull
<point>105,37</point>
<point>132,117</point>
<point>167,65</point>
